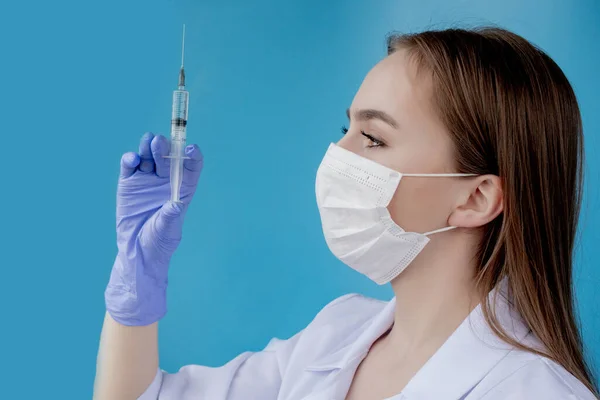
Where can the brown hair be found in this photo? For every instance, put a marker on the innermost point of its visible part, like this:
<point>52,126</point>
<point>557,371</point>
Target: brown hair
<point>511,112</point>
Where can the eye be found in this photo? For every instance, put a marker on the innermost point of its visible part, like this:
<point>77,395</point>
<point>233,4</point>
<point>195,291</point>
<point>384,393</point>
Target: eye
<point>375,142</point>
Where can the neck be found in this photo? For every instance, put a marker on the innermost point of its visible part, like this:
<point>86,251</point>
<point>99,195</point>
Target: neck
<point>435,293</point>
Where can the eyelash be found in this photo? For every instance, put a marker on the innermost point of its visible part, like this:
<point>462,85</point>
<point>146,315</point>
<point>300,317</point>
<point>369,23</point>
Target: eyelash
<point>376,143</point>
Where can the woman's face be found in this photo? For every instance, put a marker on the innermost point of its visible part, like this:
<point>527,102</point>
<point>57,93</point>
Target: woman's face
<point>394,107</point>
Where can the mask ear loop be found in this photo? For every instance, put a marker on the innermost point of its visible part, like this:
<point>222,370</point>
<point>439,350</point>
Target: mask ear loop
<point>448,228</point>
<point>454,175</point>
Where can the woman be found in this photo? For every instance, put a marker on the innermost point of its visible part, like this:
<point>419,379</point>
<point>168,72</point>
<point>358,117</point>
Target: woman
<point>458,181</point>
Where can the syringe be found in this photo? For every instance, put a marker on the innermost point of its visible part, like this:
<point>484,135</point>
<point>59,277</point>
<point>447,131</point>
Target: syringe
<point>178,129</point>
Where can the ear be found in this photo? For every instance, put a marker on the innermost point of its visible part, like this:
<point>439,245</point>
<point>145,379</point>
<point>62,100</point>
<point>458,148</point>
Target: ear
<point>484,202</point>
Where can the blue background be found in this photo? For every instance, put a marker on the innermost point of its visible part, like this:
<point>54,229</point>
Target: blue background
<point>80,82</point>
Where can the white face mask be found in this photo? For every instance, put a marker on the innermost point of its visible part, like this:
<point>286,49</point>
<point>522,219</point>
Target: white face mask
<point>353,193</point>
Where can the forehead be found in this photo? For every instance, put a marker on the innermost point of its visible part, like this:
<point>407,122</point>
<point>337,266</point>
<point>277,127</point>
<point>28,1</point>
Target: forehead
<point>394,86</point>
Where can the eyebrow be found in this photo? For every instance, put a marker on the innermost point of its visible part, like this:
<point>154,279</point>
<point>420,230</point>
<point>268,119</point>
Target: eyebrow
<point>369,113</point>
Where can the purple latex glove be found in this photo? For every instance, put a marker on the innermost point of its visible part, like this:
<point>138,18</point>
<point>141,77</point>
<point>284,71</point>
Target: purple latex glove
<point>149,229</point>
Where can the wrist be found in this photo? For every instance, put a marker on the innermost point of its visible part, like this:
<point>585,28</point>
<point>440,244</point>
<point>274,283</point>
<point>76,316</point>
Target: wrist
<point>135,309</point>
<point>135,295</point>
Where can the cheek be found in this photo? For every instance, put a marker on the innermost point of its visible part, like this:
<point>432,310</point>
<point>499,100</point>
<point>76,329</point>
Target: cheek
<point>420,204</point>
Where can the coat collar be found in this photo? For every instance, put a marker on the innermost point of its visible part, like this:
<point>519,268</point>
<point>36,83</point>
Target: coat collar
<point>463,360</point>
<point>470,353</point>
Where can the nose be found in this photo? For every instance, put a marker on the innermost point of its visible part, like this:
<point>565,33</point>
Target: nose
<point>345,142</point>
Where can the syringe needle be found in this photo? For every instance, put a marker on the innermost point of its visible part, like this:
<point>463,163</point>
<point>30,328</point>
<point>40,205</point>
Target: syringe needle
<point>182,45</point>
<point>181,70</point>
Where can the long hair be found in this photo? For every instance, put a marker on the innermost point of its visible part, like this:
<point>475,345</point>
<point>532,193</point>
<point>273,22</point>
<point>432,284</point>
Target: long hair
<point>511,112</point>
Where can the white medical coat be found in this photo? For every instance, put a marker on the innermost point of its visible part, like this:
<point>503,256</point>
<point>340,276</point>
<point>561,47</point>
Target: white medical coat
<point>319,363</point>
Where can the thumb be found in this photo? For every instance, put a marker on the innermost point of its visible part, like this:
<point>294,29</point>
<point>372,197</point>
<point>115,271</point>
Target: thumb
<point>169,221</point>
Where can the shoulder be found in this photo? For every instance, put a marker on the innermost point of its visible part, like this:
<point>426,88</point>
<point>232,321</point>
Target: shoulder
<point>524,375</point>
<point>335,326</point>
<point>341,322</point>
<point>337,318</point>
<point>354,299</point>
<point>352,303</point>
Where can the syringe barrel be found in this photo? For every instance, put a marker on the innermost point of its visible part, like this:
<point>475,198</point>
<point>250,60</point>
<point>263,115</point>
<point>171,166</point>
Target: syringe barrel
<point>179,115</point>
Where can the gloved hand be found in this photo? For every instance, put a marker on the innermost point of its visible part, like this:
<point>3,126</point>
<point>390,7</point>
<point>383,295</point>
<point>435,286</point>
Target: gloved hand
<point>149,229</point>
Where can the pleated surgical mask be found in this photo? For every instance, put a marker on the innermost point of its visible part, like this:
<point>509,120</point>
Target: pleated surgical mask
<point>353,193</point>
